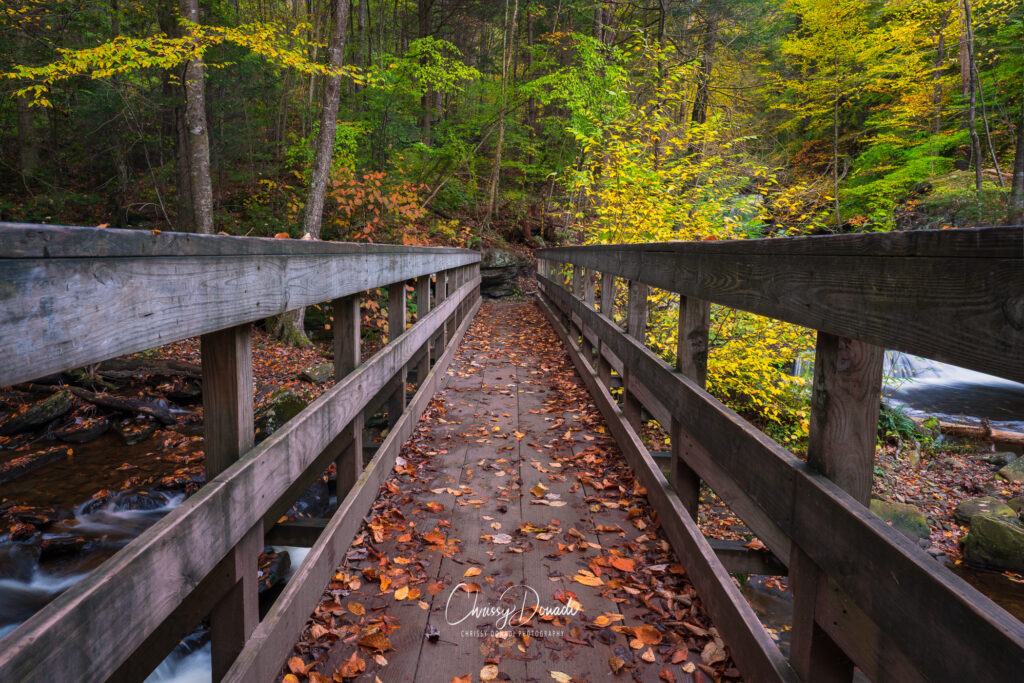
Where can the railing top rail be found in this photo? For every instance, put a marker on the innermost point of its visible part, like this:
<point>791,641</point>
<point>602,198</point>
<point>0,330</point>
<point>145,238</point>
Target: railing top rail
<point>997,242</point>
<point>951,295</point>
<point>74,296</point>
<point>28,240</point>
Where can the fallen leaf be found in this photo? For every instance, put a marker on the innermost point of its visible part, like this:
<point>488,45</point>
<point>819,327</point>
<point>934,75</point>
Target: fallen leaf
<point>501,539</point>
<point>667,676</point>
<point>356,609</point>
<point>648,656</point>
<point>375,641</point>
<point>402,593</point>
<point>470,587</point>
<point>462,679</point>
<point>489,673</point>
<point>617,664</point>
<point>297,666</point>
<point>648,634</point>
<point>624,564</point>
<point>560,677</point>
<point>350,668</point>
<point>712,653</point>
<point>472,571</point>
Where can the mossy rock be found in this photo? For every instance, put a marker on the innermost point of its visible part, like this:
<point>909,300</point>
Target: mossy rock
<point>39,414</point>
<point>905,518</point>
<point>283,406</point>
<point>318,374</point>
<point>972,507</point>
<point>1016,504</point>
<point>995,542</point>
<point>1000,459</point>
<point>1014,471</point>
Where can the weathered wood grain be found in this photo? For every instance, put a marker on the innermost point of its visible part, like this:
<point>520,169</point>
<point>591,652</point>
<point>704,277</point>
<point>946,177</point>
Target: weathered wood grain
<point>929,293</point>
<point>59,313</point>
<point>867,559</point>
<point>84,629</point>
<point>32,240</point>
<point>398,310</point>
<point>227,397</point>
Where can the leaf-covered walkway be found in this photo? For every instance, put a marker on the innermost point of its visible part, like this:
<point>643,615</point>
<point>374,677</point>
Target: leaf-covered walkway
<point>510,494</point>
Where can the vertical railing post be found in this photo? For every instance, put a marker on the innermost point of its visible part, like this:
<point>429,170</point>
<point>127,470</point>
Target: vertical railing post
<point>440,294</point>
<point>841,445</point>
<point>349,462</point>
<point>576,331</point>
<point>228,428</point>
<point>691,361</point>
<point>604,368</point>
<point>396,326</point>
<point>589,296</point>
<point>636,327</point>
<point>422,308</point>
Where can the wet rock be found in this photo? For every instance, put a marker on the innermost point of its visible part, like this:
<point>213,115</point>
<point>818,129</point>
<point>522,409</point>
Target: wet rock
<point>1016,504</point>
<point>83,430</point>
<point>318,374</point>
<point>185,392</point>
<point>20,466</point>
<point>38,414</point>
<point>995,542</point>
<point>273,568</point>
<point>966,510</point>
<point>283,406</point>
<point>315,502</point>
<point>61,546</point>
<point>906,519</point>
<point>1014,471</point>
<point>140,500</point>
<point>1001,459</point>
<point>135,432</point>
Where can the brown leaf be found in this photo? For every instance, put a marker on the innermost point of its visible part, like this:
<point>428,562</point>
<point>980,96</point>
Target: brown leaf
<point>648,656</point>
<point>317,677</point>
<point>350,668</point>
<point>466,678</point>
<point>489,673</point>
<point>356,608</point>
<point>617,664</point>
<point>712,653</point>
<point>297,666</point>
<point>375,641</point>
<point>471,587</point>
<point>435,587</point>
<point>667,676</point>
<point>624,564</point>
<point>648,634</point>
<point>472,571</point>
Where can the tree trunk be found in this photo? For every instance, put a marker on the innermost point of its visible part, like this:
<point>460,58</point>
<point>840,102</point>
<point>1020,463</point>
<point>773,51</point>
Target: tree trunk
<point>971,94</point>
<point>197,135</point>
<point>290,327</point>
<point>28,141</point>
<point>707,56</point>
<point>940,55</point>
<point>423,8</point>
<point>1017,186</point>
<point>508,40</point>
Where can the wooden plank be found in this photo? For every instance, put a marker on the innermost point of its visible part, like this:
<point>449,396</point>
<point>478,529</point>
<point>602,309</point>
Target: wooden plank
<point>608,293</point>
<point>636,326</point>
<point>902,291</point>
<point>150,577</point>
<point>737,558</point>
<point>32,240</point>
<point>977,637</point>
<point>267,649</point>
<point>752,648</point>
<point>235,616</point>
<point>302,533</point>
<point>58,312</point>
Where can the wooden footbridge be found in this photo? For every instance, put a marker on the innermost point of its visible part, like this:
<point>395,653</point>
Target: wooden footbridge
<point>865,596</point>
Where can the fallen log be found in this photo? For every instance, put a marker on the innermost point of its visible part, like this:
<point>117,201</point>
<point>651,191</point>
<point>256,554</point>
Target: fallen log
<point>127,368</point>
<point>127,405</point>
<point>981,432</point>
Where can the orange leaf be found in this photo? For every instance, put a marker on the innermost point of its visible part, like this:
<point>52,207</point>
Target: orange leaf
<point>375,641</point>
<point>350,668</point>
<point>472,571</point>
<point>356,608</point>
<point>471,587</point>
<point>624,564</point>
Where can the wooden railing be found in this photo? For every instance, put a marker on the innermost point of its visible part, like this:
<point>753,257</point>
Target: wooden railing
<point>864,594</point>
<point>74,296</point>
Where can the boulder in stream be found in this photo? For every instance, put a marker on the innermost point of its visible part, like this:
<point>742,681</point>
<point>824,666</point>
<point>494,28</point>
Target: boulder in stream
<point>273,568</point>
<point>1000,459</point>
<point>134,432</point>
<point>283,406</point>
<point>1016,504</point>
<point>968,509</point>
<point>38,414</point>
<point>995,542</point>
<point>318,374</point>
<point>905,518</point>
<point>82,430</point>
<point>1014,471</point>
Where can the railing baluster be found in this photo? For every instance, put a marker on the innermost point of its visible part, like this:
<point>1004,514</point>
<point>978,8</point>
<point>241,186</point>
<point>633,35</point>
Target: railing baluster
<point>228,427</point>
<point>636,324</point>
<point>441,293</point>
<point>604,368</point>
<point>396,326</point>
<point>422,308</point>
<point>844,420</point>
<point>692,361</point>
<point>347,349</point>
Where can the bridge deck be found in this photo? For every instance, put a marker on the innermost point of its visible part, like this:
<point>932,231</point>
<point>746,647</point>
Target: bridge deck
<point>511,484</point>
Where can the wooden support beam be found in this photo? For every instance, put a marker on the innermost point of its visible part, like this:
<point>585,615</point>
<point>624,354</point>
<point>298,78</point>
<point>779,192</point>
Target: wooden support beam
<point>396,326</point>
<point>691,361</point>
<point>844,422</point>
<point>422,308</point>
<point>228,433</point>
<point>636,325</point>
<point>441,293</point>
<point>608,292</point>
<point>347,357</point>
<point>302,533</point>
